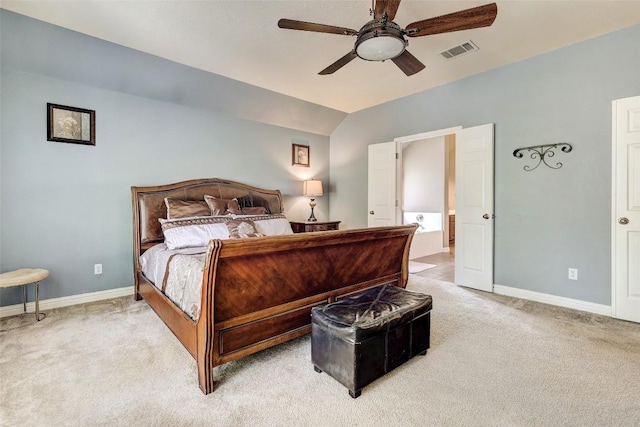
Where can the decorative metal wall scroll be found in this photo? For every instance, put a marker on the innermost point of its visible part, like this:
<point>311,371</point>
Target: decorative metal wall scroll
<point>542,153</point>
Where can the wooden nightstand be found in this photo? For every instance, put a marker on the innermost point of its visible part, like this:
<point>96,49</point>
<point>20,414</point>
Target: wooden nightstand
<point>306,227</point>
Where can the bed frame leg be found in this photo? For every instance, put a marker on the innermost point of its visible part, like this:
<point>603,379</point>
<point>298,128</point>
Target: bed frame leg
<point>136,289</point>
<point>207,345</point>
<point>205,377</point>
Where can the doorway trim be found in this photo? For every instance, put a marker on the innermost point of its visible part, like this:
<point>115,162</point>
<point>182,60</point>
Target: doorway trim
<point>427,135</point>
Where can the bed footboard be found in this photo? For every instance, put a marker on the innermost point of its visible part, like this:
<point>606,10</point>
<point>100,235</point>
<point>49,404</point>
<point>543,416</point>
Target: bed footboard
<point>259,292</point>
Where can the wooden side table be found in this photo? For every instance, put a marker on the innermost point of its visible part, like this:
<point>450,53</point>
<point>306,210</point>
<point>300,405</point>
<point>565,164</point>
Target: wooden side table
<point>23,277</point>
<point>308,227</point>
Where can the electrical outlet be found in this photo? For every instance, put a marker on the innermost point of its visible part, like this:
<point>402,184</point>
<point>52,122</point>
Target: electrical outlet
<point>573,274</point>
<point>97,269</point>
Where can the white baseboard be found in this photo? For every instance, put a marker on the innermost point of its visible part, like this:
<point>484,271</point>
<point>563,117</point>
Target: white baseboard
<point>48,304</point>
<point>575,304</point>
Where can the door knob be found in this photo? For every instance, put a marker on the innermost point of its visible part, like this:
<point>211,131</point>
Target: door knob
<point>371,212</point>
<point>485,216</point>
<point>623,221</point>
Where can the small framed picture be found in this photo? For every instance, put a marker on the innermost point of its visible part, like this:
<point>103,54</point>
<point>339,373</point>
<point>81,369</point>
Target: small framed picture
<point>300,155</point>
<point>71,124</point>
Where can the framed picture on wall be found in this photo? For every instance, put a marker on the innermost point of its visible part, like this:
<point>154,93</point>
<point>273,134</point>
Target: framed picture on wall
<point>300,155</point>
<point>71,124</point>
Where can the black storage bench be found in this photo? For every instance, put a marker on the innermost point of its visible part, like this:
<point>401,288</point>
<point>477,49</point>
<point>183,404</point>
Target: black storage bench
<point>360,338</point>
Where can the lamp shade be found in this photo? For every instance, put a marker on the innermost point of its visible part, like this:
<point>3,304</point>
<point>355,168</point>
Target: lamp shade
<point>312,188</point>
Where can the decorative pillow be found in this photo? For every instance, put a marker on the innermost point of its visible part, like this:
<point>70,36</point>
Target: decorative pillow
<point>250,201</point>
<point>177,208</point>
<point>193,232</point>
<point>273,225</point>
<point>254,210</point>
<point>240,228</point>
<point>222,206</point>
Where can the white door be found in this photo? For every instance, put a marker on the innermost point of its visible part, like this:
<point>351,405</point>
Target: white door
<point>626,209</point>
<point>474,208</point>
<point>382,184</point>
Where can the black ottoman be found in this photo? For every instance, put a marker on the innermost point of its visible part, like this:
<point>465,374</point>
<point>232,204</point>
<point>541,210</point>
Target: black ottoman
<point>358,339</point>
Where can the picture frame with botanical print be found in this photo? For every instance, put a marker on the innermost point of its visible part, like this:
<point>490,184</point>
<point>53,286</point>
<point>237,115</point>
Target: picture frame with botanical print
<point>71,124</point>
<point>301,155</point>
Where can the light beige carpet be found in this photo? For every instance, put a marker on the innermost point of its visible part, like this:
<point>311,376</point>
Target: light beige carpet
<point>494,360</point>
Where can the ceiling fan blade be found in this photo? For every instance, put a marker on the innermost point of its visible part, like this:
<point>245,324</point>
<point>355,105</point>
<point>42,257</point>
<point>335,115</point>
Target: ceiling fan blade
<point>389,6</point>
<point>290,24</point>
<point>339,63</point>
<point>476,17</point>
<point>408,63</point>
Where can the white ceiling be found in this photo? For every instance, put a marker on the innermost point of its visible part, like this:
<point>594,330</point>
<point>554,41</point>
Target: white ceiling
<point>241,40</point>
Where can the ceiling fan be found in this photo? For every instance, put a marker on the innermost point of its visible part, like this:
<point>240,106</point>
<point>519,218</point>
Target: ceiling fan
<point>381,38</point>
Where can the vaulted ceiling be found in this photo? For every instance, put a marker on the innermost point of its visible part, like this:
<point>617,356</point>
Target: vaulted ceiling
<point>241,39</point>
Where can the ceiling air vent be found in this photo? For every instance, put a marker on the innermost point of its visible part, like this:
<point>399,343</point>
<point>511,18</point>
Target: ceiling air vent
<point>461,49</point>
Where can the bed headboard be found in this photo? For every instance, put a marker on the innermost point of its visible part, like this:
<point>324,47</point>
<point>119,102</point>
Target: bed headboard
<point>148,204</point>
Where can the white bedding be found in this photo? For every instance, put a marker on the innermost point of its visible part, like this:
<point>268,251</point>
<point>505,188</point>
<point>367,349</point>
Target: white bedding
<point>177,273</point>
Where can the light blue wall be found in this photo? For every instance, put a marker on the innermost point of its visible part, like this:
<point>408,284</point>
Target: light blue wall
<point>546,220</point>
<point>66,207</point>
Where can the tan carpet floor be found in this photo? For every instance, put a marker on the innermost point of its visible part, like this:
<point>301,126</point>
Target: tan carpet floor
<point>494,361</point>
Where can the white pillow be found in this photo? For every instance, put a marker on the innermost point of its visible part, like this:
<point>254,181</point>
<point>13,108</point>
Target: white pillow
<point>273,227</point>
<point>193,232</point>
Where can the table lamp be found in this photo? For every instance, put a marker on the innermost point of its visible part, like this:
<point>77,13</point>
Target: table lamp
<point>312,188</point>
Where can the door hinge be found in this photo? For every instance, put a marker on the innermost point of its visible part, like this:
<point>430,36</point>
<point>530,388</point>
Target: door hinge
<point>396,203</point>
<point>397,156</point>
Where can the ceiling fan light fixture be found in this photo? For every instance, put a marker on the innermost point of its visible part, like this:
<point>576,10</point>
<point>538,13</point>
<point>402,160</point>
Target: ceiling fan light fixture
<point>380,48</point>
<point>378,41</point>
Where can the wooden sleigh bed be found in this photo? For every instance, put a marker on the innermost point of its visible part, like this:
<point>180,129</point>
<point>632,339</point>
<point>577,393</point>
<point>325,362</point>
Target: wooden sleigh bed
<point>258,292</point>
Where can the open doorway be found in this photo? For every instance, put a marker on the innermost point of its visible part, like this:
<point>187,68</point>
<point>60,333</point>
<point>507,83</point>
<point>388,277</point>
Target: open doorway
<point>428,198</point>
<point>473,221</point>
